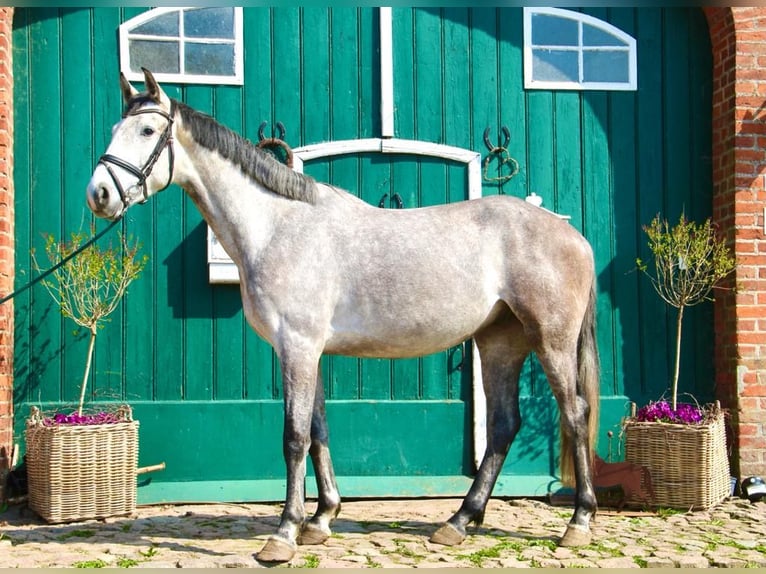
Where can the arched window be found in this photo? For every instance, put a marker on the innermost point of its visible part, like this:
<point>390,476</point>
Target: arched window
<point>565,50</point>
<point>184,45</point>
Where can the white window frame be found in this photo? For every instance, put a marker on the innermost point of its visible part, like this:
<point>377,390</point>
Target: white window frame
<point>582,20</point>
<point>237,79</point>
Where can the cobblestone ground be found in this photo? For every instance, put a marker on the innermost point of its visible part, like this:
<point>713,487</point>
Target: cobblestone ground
<point>391,533</point>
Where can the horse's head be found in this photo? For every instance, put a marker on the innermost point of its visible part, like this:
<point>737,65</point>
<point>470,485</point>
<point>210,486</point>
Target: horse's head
<point>139,159</point>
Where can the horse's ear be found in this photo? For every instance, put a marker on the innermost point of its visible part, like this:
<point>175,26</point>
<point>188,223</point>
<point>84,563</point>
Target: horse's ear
<point>155,92</point>
<point>128,91</point>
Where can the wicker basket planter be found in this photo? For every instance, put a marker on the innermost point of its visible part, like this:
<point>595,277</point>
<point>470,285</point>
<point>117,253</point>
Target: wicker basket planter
<point>689,465</point>
<point>77,472</point>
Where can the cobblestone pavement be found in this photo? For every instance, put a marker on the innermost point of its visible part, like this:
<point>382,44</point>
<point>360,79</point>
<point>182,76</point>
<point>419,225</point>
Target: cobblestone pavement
<point>391,533</point>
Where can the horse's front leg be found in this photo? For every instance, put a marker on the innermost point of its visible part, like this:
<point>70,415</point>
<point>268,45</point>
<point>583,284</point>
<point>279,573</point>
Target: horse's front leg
<point>299,380</point>
<point>317,530</point>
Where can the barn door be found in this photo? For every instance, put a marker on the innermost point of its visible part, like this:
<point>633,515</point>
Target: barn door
<point>206,390</point>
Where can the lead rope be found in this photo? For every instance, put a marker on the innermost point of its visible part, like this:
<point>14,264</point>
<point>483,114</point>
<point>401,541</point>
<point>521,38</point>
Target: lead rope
<point>61,263</point>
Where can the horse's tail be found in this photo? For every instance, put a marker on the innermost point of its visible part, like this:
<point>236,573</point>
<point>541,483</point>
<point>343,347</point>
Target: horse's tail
<point>588,384</point>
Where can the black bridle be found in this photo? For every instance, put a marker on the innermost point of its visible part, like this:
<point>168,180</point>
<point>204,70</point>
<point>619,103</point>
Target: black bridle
<point>166,140</point>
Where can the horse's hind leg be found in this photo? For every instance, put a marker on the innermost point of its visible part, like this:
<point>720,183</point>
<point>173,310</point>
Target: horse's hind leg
<point>502,350</point>
<point>317,530</point>
<point>561,369</point>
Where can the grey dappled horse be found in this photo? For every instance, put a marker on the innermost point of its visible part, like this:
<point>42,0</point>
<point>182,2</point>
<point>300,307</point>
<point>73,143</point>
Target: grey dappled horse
<point>321,271</point>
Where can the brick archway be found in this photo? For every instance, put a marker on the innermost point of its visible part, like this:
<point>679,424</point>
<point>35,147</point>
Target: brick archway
<point>6,241</point>
<point>739,194</point>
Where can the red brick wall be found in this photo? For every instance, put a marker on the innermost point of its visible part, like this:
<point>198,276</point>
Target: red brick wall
<point>6,241</point>
<point>739,139</point>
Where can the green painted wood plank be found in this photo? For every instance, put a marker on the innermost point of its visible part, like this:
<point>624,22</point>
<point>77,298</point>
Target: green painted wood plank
<point>428,69</point>
<point>167,269</point>
<point>317,72</point>
<point>597,221</point>
<point>257,90</point>
<point>403,55</point>
<point>406,373</point>
<point>567,134</point>
<point>46,201</point>
<point>375,176</point>
<point>367,437</point>
<point>675,99</point>
<point>227,314</point>
<point>76,120</point>
<point>677,153</point>
<point>700,90</point>
<point>540,146</point>
<point>286,67</point>
<point>152,491</point>
<point>511,98</point>
<point>261,368</point>
<point>25,364</point>
<point>343,372</point>
<point>484,84</point>
<point>198,304</point>
<point>650,167</point>
<point>622,137</point>
<point>368,24</point>
<point>344,84</point>
<point>237,440</point>
<point>456,76</point>
<point>136,369</point>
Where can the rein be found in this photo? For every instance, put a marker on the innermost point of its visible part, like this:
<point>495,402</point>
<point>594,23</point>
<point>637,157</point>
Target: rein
<point>165,140</point>
<point>61,263</point>
<point>143,173</point>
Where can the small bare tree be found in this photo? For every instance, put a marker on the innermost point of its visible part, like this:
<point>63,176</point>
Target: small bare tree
<point>689,261</point>
<point>90,286</point>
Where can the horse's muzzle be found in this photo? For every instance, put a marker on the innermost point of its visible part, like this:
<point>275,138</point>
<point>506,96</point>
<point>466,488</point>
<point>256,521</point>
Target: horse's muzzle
<point>101,200</point>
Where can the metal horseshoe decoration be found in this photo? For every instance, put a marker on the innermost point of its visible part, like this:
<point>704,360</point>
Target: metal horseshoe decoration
<point>499,153</point>
<point>396,198</point>
<point>276,146</point>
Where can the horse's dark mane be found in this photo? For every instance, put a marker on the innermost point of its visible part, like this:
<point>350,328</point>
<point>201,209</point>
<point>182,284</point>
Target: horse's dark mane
<point>257,164</point>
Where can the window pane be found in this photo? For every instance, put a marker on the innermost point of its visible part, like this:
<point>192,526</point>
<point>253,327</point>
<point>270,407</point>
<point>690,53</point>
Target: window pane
<point>210,59</point>
<point>157,56</point>
<point>209,23</point>
<point>555,65</point>
<point>548,30</point>
<point>592,36</point>
<point>605,66</point>
<point>163,25</point>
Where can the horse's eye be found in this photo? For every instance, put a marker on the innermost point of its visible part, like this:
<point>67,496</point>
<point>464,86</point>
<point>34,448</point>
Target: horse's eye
<point>147,131</point>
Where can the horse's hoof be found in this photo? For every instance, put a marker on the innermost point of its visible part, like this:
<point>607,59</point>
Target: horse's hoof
<point>277,550</point>
<point>448,535</point>
<point>576,535</point>
<point>312,534</point>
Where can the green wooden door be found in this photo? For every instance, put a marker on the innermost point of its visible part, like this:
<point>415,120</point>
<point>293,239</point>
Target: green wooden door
<point>206,390</point>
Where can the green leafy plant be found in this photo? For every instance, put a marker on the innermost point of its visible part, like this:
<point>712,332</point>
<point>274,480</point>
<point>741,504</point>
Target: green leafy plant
<point>689,261</point>
<point>89,287</point>
<point>151,551</point>
<point>125,562</point>
<point>98,563</point>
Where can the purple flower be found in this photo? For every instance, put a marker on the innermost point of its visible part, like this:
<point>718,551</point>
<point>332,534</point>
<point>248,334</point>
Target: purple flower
<point>661,411</point>
<point>84,419</point>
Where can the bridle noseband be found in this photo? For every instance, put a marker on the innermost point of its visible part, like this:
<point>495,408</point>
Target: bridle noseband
<point>143,173</point>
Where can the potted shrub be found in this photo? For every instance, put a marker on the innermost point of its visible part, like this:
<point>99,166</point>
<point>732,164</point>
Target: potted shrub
<point>682,444</point>
<point>83,465</point>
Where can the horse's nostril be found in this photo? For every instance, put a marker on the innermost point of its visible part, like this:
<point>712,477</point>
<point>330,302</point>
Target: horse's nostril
<point>103,194</point>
